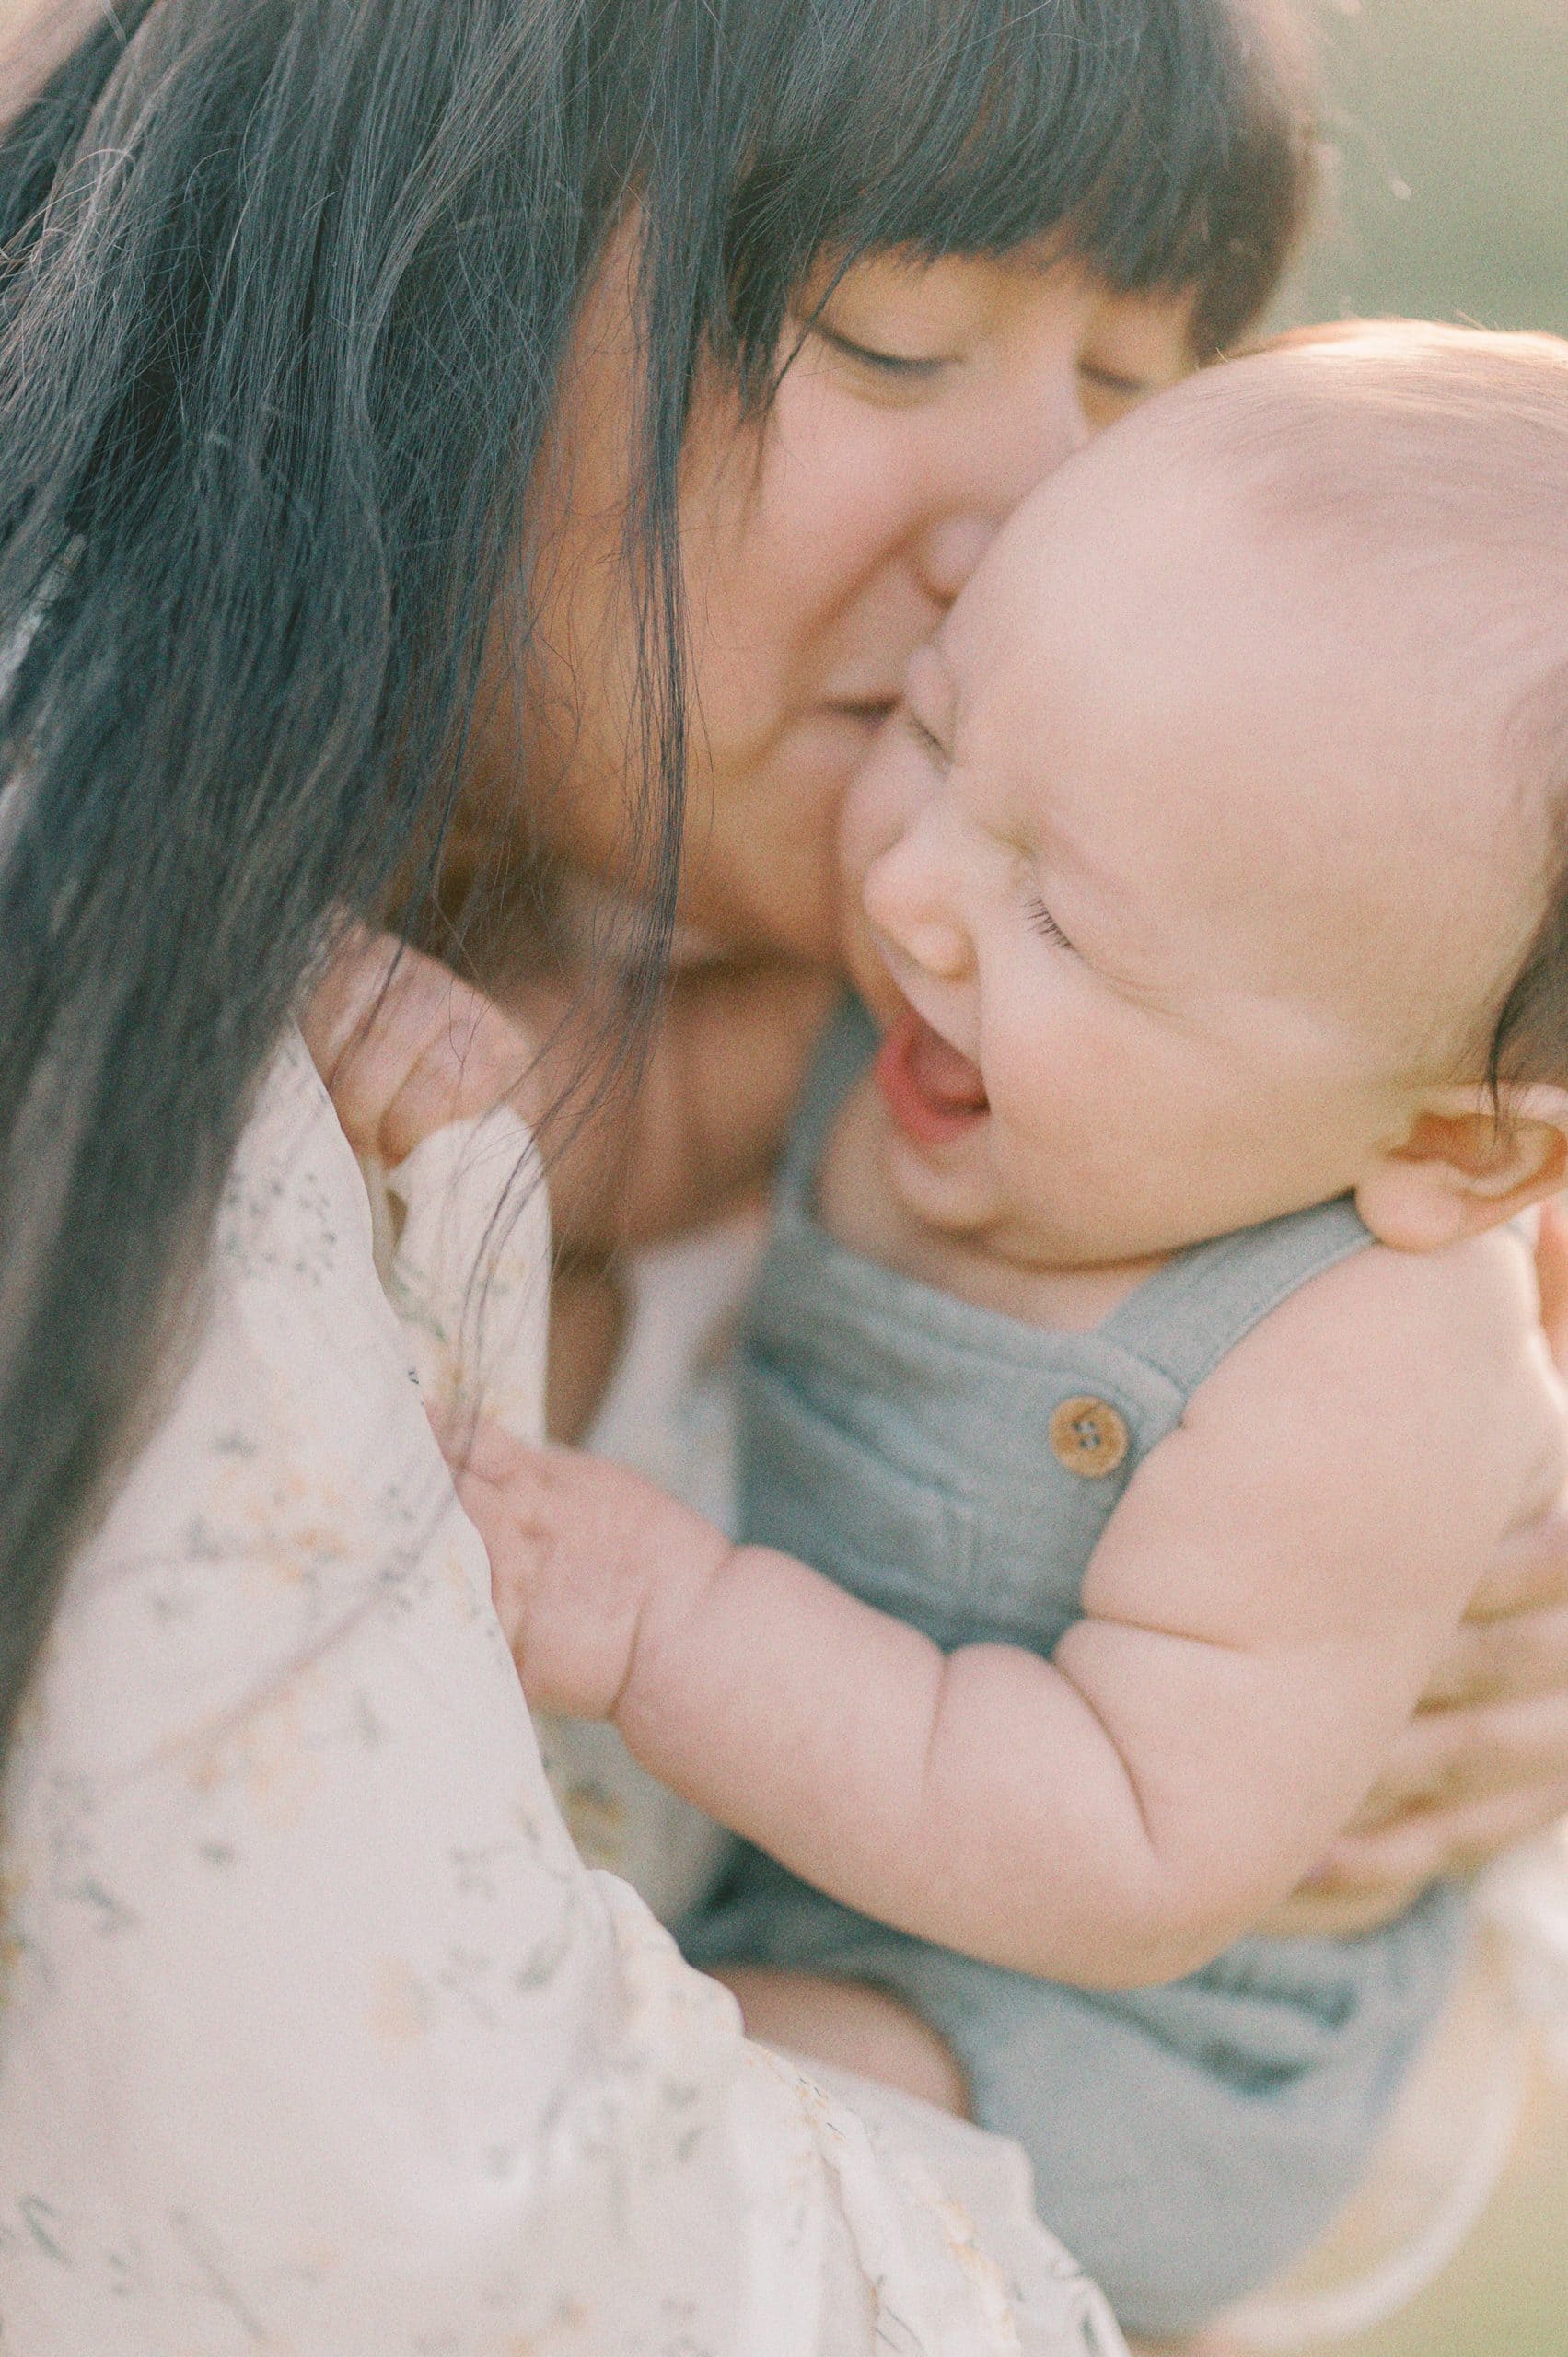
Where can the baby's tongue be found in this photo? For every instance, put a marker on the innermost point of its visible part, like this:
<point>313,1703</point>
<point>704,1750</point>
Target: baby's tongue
<point>932,1093</point>
<point>941,1072</point>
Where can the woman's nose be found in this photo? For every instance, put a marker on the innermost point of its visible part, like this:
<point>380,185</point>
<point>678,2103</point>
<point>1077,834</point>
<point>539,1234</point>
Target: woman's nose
<point>998,470</point>
<point>952,548</point>
<point>905,901</point>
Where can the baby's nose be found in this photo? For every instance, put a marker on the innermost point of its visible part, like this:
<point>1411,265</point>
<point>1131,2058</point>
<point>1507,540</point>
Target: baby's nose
<point>904,903</point>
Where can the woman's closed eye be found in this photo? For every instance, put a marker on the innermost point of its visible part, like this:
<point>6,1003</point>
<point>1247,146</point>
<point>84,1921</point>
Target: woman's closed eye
<point>1045,925</point>
<point>1108,393</point>
<point>911,368</point>
<point>928,742</point>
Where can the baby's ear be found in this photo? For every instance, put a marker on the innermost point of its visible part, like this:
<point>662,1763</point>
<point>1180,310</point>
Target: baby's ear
<point>1467,1164</point>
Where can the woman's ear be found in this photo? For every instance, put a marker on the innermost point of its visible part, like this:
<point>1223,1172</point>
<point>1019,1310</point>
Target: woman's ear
<point>1467,1164</point>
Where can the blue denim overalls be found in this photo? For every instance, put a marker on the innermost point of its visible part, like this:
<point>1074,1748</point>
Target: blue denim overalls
<point>955,1469</point>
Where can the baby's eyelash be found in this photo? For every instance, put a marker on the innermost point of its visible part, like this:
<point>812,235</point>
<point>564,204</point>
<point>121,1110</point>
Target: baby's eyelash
<point>1045,924</point>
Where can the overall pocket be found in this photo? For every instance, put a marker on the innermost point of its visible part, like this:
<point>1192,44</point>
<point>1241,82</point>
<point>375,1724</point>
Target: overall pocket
<point>809,1488</point>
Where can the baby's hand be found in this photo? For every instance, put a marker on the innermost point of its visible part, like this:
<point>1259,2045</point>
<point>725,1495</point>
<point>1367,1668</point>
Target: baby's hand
<point>592,1569</point>
<point>405,1048</point>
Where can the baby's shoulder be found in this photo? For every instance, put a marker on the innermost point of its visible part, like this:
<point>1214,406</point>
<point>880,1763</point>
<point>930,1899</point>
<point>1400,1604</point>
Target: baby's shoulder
<point>1407,1353</point>
<point>1477,1296</point>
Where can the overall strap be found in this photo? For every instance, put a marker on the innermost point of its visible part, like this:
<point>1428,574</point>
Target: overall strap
<point>1200,1306</point>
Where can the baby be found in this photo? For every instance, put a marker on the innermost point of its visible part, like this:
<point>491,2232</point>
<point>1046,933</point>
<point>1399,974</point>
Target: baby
<point>1148,1237</point>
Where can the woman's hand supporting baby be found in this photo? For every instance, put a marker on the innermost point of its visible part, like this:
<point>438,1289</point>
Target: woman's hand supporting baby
<point>1483,1764</point>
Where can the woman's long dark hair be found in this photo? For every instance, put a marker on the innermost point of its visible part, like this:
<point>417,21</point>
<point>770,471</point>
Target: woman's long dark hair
<point>286,288</point>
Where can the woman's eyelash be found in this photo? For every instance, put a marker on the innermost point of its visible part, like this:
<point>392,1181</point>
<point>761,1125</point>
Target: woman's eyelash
<point>1111,380</point>
<point>890,364</point>
<point>1044,924</point>
<point>924,738</point>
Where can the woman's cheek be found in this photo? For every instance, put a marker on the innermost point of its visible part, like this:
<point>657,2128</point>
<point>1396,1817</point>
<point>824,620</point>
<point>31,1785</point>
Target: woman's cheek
<point>861,957</point>
<point>842,488</point>
<point>870,820</point>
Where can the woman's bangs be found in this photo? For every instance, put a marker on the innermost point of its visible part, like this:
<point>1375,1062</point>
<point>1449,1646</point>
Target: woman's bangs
<point>1166,142</point>
<point>1025,129</point>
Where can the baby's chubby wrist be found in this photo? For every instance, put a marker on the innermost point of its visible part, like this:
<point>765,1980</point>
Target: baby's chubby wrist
<point>664,1563</point>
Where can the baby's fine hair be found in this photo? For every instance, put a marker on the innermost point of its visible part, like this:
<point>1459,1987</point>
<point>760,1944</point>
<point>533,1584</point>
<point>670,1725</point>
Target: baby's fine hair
<point>1438,455</point>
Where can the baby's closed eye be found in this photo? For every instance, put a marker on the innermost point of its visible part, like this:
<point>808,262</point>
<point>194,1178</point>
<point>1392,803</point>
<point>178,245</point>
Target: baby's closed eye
<point>1045,925</point>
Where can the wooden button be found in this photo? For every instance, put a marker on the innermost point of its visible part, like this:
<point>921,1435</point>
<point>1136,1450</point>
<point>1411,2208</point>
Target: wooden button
<point>1089,1437</point>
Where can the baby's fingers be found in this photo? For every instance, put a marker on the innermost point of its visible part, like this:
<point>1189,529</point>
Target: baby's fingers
<point>405,1048</point>
<point>348,992</point>
<point>516,1551</point>
<point>504,1489</point>
<point>478,1449</point>
<point>552,1526</point>
<point>363,1074</point>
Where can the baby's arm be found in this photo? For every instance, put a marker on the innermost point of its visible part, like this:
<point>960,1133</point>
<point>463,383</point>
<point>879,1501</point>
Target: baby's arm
<point>1261,1617</point>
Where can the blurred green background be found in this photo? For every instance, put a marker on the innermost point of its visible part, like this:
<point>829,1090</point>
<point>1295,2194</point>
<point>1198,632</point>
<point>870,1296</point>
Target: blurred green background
<point>1448,186</point>
<point>1448,199</point>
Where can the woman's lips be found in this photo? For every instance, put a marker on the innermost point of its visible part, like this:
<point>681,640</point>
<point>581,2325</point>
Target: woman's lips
<point>932,1092</point>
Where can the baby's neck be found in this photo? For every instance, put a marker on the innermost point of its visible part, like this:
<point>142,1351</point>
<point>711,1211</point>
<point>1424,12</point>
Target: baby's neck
<point>860,1210</point>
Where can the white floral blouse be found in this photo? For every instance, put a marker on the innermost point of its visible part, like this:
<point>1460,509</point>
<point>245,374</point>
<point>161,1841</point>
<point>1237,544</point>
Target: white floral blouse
<point>317,2036</point>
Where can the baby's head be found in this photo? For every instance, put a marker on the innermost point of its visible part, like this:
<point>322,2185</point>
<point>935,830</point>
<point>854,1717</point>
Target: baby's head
<point>1222,841</point>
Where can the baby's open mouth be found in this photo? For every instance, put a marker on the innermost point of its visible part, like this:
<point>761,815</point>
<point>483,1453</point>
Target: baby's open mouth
<point>933,1091</point>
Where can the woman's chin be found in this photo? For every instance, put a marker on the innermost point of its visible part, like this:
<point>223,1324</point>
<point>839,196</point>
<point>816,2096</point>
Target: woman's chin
<point>791,911</point>
<point>762,861</point>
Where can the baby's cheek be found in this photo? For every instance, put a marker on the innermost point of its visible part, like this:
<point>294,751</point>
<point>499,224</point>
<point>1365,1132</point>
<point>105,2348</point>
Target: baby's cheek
<point>1060,1125</point>
<point>882,797</point>
<point>1039,1071</point>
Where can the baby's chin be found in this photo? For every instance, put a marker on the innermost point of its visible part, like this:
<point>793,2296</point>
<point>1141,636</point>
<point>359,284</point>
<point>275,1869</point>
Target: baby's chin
<point>950,1189</point>
<point>958,1195</point>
